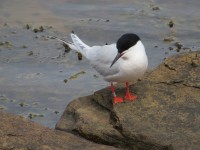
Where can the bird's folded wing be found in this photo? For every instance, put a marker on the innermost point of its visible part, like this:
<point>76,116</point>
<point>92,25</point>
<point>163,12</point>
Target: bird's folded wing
<point>101,59</point>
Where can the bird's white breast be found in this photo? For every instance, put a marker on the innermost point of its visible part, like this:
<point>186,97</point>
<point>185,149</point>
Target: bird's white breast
<point>134,65</point>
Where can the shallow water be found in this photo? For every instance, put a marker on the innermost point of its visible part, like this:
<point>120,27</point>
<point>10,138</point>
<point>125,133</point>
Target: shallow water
<point>33,68</point>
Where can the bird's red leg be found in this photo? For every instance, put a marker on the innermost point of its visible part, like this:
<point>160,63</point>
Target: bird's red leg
<point>128,95</point>
<point>116,99</point>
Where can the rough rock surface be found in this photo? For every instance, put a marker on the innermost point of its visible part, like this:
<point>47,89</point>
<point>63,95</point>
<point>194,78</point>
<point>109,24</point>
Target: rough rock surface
<point>19,133</point>
<point>165,116</point>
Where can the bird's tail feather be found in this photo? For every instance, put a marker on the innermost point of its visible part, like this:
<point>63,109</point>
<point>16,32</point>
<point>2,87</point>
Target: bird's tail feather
<point>76,44</point>
<point>81,47</point>
<point>71,45</point>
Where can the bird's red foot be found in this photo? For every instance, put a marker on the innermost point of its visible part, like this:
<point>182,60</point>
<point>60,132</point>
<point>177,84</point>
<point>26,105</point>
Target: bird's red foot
<point>117,99</point>
<point>130,97</point>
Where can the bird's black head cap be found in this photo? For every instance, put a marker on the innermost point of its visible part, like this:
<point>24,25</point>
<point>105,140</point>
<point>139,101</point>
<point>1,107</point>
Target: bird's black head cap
<point>126,41</point>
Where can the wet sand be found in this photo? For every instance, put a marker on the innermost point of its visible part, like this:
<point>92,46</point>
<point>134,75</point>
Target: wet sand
<point>33,67</point>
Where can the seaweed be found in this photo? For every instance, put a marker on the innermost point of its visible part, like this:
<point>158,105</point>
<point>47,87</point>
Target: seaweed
<point>168,39</point>
<point>171,24</point>
<point>30,53</point>
<point>33,115</point>
<point>6,44</point>
<point>75,76</point>
<point>39,29</point>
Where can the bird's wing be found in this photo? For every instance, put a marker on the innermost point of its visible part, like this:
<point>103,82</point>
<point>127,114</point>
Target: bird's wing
<point>102,54</point>
<point>101,58</point>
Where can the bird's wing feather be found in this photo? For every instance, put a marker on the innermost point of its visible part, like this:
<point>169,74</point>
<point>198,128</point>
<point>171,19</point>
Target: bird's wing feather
<point>101,58</point>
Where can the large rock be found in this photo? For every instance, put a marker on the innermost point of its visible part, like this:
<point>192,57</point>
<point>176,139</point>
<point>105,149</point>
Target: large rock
<point>165,116</point>
<point>21,134</point>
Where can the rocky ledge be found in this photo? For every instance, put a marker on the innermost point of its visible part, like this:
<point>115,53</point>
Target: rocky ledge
<point>18,133</point>
<point>165,116</point>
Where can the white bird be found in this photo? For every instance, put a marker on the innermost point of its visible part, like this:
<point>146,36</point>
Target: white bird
<point>124,61</point>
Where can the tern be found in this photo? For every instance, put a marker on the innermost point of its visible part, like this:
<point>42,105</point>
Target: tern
<point>124,61</point>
